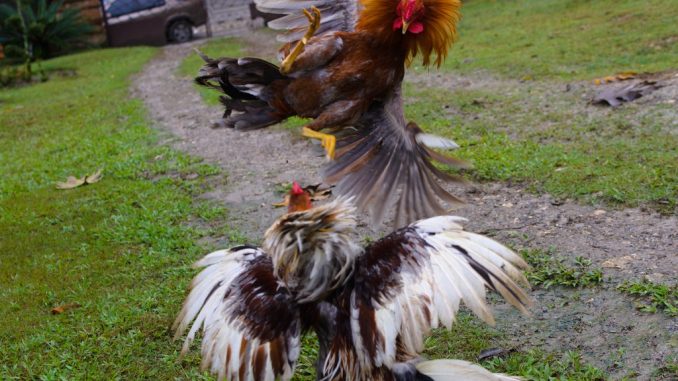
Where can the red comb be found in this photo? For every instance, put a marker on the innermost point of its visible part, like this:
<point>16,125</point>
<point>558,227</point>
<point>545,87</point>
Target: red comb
<point>296,188</point>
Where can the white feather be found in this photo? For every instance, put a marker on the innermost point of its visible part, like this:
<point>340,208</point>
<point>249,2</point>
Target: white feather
<point>458,370</point>
<point>434,141</point>
<point>207,309</point>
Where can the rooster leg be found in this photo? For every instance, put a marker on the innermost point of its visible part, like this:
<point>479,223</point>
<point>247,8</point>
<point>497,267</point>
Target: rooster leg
<point>329,142</point>
<point>314,24</point>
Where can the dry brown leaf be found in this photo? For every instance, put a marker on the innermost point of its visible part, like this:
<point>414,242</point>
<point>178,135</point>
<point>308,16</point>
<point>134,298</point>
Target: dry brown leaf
<point>70,183</point>
<point>74,182</point>
<point>64,307</point>
<point>615,96</point>
<point>618,262</point>
<point>621,76</point>
<point>94,177</point>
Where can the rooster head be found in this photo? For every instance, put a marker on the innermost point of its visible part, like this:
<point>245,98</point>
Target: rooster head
<point>410,14</point>
<point>426,27</point>
<point>299,199</point>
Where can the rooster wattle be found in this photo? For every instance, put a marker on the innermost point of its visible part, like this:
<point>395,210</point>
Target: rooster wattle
<point>371,308</point>
<point>346,71</point>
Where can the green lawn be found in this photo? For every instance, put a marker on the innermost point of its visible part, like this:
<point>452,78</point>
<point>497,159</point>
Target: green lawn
<point>567,39</point>
<point>553,144</point>
<point>121,248</point>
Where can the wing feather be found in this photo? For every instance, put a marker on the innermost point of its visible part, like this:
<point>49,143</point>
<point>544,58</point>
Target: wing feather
<point>337,15</point>
<point>415,278</point>
<point>251,328</point>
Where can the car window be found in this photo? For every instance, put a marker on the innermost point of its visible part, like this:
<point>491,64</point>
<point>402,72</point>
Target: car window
<point>123,7</point>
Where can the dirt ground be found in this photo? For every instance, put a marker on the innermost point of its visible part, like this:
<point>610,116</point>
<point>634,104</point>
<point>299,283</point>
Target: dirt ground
<point>599,322</point>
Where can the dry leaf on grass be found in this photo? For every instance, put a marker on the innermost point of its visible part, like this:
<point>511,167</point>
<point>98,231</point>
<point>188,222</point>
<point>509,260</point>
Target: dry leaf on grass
<point>615,96</point>
<point>70,183</point>
<point>74,182</point>
<point>623,76</point>
<point>94,177</point>
<point>64,307</point>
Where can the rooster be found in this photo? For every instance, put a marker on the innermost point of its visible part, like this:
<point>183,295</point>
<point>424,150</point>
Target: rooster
<point>345,72</point>
<point>371,308</point>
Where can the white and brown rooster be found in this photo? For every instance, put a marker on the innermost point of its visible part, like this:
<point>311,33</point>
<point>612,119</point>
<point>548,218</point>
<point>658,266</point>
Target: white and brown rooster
<point>370,307</point>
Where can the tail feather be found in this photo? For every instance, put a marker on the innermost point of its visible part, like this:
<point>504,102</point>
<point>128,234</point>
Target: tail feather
<point>251,88</point>
<point>455,370</point>
<point>372,164</point>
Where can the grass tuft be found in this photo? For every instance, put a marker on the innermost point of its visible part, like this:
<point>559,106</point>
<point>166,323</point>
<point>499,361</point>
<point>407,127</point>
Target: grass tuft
<point>536,365</point>
<point>655,297</point>
<point>550,270</point>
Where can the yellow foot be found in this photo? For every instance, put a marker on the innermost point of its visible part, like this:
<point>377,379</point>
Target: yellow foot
<point>329,142</point>
<point>314,23</point>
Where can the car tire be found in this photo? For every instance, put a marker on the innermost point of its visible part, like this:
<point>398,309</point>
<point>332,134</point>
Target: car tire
<point>180,31</point>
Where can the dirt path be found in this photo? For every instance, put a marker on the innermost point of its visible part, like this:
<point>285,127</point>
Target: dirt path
<point>600,322</point>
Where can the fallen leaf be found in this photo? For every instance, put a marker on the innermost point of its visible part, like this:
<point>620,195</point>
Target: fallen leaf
<point>621,76</point>
<point>615,96</point>
<point>94,177</point>
<point>74,182</point>
<point>490,353</point>
<point>70,183</point>
<point>64,307</point>
<point>617,263</point>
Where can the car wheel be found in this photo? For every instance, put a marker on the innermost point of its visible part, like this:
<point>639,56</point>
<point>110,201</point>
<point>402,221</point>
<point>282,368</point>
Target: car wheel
<point>180,31</point>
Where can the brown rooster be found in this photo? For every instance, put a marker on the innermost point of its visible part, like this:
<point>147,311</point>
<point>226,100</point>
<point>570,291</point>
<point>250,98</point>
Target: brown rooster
<point>371,308</point>
<point>345,71</point>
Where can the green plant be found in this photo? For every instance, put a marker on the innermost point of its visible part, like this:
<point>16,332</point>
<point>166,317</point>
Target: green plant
<point>40,30</point>
<point>548,270</point>
<point>536,365</point>
<point>658,296</point>
<point>10,75</point>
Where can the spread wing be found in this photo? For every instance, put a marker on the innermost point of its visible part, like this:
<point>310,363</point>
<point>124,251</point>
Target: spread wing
<point>415,278</point>
<point>251,328</point>
<point>337,15</point>
<point>384,155</point>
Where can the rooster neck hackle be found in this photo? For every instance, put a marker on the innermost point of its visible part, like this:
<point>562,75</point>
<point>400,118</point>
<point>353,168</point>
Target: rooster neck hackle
<point>313,251</point>
<point>440,18</point>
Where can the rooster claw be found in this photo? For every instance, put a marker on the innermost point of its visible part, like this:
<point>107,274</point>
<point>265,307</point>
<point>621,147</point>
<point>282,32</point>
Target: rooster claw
<point>313,17</point>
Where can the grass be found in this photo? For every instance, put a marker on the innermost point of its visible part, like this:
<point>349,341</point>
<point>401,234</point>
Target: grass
<point>656,297</point>
<point>566,39</point>
<point>469,336</point>
<point>623,158</point>
<point>548,269</point>
<point>120,248</point>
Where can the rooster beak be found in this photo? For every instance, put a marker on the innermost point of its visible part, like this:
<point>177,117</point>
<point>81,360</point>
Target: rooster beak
<point>406,24</point>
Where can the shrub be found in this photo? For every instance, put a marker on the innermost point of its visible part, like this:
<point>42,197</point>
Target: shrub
<point>50,30</point>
